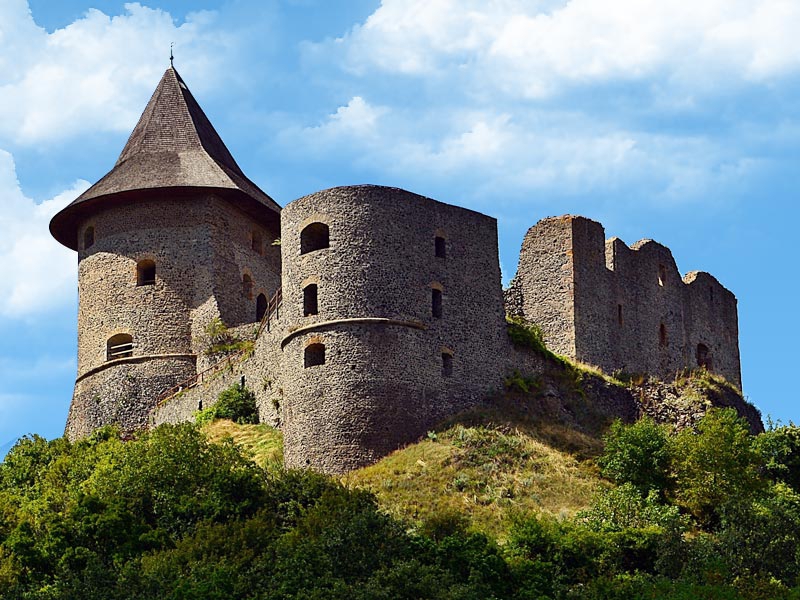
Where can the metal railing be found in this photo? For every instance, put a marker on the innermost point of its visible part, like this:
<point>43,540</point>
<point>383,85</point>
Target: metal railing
<point>119,351</point>
<point>273,308</point>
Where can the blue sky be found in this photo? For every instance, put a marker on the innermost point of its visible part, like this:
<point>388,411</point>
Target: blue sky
<point>678,121</point>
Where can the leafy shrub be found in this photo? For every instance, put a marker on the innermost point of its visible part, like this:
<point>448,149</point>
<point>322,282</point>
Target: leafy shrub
<point>780,450</point>
<point>716,466</point>
<point>519,383</point>
<point>526,335</point>
<point>624,508</point>
<point>638,454</point>
<point>222,342</point>
<point>237,403</point>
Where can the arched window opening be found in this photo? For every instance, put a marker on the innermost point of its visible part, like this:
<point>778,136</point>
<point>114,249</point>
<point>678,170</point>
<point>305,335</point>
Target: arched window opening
<point>703,356</point>
<point>88,237</point>
<point>146,272</point>
<point>447,364</point>
<point>315,236</point>
<point>119,346</point>
<point>662,335</point>
<point>619,315</point>
<point>257,242</point>
<point>662,275</point>
<point>261,307</point>
<point>436,303</point>
<point>247,286</point>
<point>310,300</point>
<point>440,247</point>
<point>314,355</point>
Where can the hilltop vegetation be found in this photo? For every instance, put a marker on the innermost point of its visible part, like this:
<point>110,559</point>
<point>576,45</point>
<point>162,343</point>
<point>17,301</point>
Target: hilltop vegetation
<point>482,509</point>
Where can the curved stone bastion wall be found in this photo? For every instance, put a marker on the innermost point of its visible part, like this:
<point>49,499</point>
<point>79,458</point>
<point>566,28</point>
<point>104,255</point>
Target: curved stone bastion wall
<point>394,316</point>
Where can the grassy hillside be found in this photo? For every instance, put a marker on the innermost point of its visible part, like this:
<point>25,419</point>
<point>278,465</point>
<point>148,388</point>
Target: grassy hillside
<point>484,467</point>
<point>262,443</point>
<point>711,512</point>
<point>530,451</point>
<point>486,472</point>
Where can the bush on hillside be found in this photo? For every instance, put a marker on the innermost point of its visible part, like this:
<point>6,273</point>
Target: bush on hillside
<point>716,466</point>
<point>237,403</point>
<point>637,454</point>
<point>780,449</point>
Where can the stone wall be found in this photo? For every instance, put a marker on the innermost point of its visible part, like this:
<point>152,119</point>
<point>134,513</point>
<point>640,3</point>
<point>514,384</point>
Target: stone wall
<point>622,308</point>
<point>123,393</point>
<point>383,382</point>
<point>259,371</point>
<point>201,246</point>
<point>543,288</point>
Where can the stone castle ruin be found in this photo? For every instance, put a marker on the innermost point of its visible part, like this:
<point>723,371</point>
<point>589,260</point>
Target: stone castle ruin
<point>378,314</point>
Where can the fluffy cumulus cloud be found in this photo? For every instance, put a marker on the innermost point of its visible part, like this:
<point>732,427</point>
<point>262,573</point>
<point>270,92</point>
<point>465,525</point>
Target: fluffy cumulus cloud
<point>536,48</point>
<point>356,119</point>
<point>38,273</point>
<point>640,98</point>
<point>96,73</point>
<point>490,154</point>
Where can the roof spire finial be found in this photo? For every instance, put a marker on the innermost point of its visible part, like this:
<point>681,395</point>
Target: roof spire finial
<point>171,58</point>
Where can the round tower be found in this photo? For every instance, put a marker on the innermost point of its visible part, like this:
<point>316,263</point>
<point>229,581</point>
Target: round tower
<point>394,314</point>
<point>172,237</point>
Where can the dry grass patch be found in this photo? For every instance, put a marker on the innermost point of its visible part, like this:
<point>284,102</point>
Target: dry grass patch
<point>487,472</point>
<point>264,444</point>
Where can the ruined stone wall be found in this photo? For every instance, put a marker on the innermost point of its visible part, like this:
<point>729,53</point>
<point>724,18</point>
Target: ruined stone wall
<point>635,321</point>
<point>619,307</point>
<point>382,384</point>
<point>543,288</point>
<point>194,242</point>
<point>711,314</point>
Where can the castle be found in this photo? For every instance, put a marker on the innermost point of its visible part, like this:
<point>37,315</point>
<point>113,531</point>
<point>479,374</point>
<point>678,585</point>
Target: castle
<point>373,312</point>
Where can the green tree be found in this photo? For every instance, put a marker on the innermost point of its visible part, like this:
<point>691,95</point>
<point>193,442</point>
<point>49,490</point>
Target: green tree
<point>638,454</point>
<point>624,507</point>
<point>236,403</point>
<point>780,449</point>
<point>717,465</point>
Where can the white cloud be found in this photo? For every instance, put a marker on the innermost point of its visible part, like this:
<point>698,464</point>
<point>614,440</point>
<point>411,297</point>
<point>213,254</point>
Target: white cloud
<point>530,154</point>
<point>96,73</point>
<point>534,49</point>
<point>355,124</point>
<point>38,273</point>
<point>357,119</point>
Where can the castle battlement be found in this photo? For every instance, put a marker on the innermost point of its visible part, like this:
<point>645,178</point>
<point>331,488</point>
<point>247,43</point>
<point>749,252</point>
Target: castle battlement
<point>623,308</point>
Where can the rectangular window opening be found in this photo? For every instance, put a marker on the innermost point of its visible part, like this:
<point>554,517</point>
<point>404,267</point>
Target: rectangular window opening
<point>436,303</point>
<point>440,247</point>
<point>310,306</point>
<point>447,364</point>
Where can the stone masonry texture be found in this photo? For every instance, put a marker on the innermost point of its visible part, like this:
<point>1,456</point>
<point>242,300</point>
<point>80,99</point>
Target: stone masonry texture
<point>623,308</point>
<point>201,249</point>
<point>383,383</point>
<point>392,316</point>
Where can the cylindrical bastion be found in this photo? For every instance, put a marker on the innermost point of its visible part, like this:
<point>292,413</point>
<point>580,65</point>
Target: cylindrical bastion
<point>393,305</point>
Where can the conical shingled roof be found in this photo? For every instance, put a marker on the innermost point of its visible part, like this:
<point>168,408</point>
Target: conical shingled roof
<point>172,146</point>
